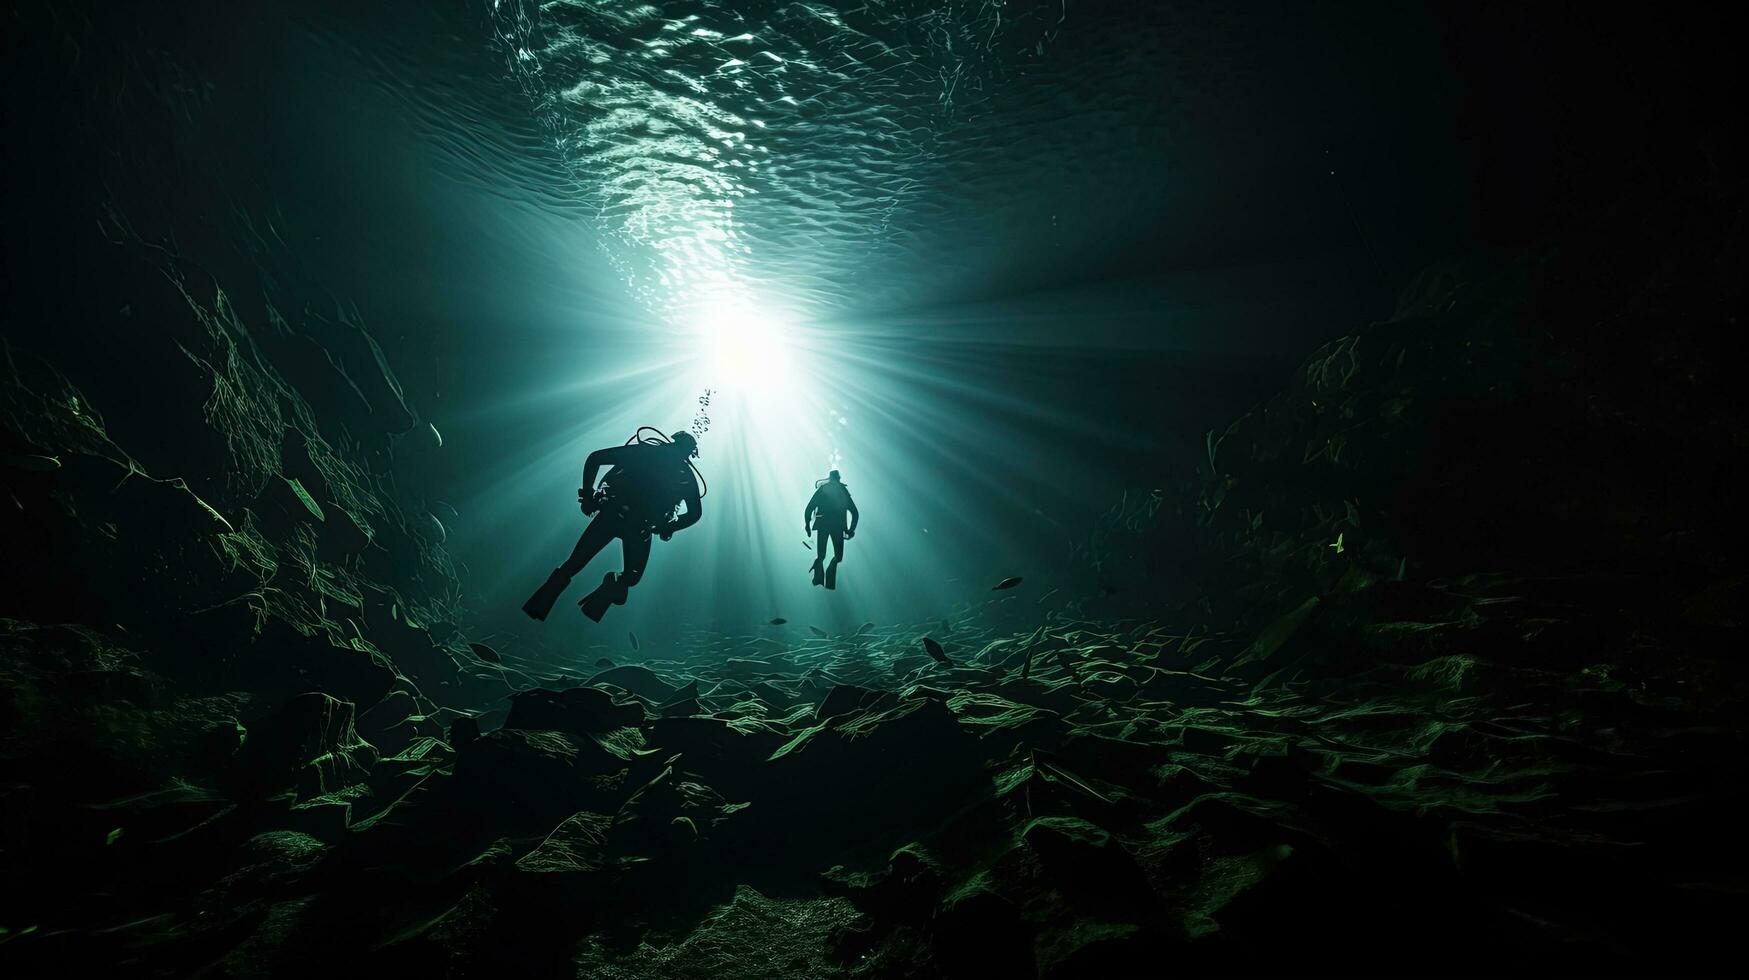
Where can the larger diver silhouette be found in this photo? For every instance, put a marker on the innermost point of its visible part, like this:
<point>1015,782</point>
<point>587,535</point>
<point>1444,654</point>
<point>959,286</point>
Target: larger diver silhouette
<point>825,515</point>
<point>650,477</point>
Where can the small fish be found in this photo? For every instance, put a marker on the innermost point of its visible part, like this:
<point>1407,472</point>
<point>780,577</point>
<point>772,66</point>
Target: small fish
<point>485,652</point>
<point>818,631</point>
<point>604,663</point>
<point>779,621</point>
<point>936,651</point>
<point>633,637</point>
<point>1007,583</point>
<point>864,628</point>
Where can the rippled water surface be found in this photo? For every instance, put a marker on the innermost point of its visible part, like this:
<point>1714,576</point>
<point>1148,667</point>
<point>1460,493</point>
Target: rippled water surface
<point>838,158</point>
<point>761,152</point>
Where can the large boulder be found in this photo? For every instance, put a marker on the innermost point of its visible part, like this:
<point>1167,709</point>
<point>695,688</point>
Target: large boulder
<point>862,782</point>
<point>520,782</point>
<point>1085,863</point>
<point>578,711</point>
<point>668,815</point>
<point>846,698</point>
<point>729,757</point>
<point>396,722</point>
<point>641,681</point>
<point>311,746</point>
<point>575,846</point>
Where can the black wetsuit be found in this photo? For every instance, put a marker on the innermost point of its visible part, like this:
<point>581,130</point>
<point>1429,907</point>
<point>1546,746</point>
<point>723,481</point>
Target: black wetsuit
<point>644,485</point>
<point>638,497</point>
<point>826,510</point>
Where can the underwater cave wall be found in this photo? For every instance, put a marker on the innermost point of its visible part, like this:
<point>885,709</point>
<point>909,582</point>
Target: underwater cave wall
<point>203,454</point>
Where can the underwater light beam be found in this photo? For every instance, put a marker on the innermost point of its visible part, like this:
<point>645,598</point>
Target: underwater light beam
<point>746,352</point>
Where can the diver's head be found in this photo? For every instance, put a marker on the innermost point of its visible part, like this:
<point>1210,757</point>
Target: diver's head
<point>685,444</point>
<point>834,477</point>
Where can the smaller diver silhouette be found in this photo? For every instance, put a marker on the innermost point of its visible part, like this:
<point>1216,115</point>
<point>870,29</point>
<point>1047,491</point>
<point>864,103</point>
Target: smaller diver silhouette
<point>824,515</point>
<point>649,479</point>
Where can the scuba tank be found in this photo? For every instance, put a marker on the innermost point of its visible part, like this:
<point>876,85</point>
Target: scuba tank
<point>644,490</point>
<point>834,500</point>
<point>838,495</point>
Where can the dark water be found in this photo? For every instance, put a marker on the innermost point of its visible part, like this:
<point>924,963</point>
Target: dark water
<point>1295,442</point>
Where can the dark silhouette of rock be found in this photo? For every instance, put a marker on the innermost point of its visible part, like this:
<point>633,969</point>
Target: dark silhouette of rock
<point>577,710</point>
<point>639,680</point>
<point>311,746</point>
<point>575,846</point>
<point>978,932</point>
<point>847,698</point>
<point>530,780</point>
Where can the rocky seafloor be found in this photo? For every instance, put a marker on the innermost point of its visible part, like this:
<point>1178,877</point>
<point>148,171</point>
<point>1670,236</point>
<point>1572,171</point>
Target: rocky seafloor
<point>1433,666</point>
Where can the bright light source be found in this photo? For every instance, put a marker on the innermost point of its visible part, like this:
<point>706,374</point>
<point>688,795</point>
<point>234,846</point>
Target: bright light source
<point>745,352</point>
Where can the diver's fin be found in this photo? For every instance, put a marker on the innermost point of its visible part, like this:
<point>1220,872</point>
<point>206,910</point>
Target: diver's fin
<point>610,593</point>
<point>541,603</point>
<point>832,575</point>
<point>819,574</point>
